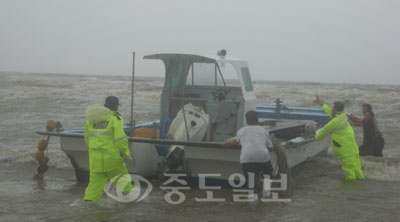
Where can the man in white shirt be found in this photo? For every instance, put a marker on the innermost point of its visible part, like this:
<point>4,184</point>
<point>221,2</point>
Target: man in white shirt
<point>254,157</point>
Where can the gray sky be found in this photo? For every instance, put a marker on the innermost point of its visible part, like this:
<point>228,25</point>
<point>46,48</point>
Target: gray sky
<point>355,41</point>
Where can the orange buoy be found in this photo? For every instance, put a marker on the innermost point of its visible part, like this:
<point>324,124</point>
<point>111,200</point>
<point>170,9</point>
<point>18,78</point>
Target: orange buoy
<point>50,125</point>
<point>39,155</point>
<point>42,145</point>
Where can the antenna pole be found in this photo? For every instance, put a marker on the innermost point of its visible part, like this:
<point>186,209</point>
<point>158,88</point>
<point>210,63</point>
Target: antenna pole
<point>132,124</point>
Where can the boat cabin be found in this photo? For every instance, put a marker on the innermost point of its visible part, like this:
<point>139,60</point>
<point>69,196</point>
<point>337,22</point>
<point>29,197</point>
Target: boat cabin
<point>219,85</point>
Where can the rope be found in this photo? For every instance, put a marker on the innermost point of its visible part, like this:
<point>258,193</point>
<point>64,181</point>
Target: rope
<point>282,167</point>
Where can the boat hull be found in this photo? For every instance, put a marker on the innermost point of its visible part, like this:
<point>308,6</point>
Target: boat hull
<point>198,160</point>
<point>146,159</point>
<point>225,163</point>
<point>293,113</point>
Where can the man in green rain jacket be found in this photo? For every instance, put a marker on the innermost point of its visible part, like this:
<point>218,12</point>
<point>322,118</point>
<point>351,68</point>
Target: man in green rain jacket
<point>108,144</point>
<point>343,142</point>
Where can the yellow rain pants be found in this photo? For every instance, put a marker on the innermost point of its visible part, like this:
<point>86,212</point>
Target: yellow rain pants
<point>351,167</point>
<point>98,181</point>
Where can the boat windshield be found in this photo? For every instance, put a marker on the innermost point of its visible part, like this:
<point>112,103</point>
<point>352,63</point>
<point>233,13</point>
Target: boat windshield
<point>212,74</point>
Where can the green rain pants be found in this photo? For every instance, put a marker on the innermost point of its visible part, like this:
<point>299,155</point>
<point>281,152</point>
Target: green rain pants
<point>98,181</point>
<point>351,167</point>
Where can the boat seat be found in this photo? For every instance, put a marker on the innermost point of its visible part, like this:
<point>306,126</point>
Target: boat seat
<point>224,120</point>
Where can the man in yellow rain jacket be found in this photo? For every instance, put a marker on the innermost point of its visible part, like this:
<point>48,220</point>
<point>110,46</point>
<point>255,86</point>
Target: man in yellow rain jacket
<point>343,142</point>
<point>108,144</point>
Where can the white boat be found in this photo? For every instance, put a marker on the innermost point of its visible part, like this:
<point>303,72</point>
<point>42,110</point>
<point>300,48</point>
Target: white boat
<point>202,106</point>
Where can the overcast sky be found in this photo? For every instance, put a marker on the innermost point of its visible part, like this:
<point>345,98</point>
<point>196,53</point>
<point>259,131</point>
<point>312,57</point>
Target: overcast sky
<point>354,41</point>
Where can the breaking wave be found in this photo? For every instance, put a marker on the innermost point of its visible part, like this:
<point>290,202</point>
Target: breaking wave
<point>382,169</point>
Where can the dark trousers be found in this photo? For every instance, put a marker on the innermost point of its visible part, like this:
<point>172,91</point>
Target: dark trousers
<point>372,148</point>
<point>258,169</point>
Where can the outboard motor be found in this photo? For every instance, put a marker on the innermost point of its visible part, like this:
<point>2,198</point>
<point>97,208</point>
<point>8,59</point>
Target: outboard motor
<point>190,124</point>
<point>174,158</point>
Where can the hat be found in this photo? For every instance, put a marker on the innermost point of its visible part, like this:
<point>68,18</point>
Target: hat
<point>111,101</point>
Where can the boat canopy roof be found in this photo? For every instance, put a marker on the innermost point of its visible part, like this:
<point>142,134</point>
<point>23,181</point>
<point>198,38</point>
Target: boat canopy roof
<point>166,57</point>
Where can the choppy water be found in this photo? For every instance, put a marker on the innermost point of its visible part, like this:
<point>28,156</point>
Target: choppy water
<point>28,100</point>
